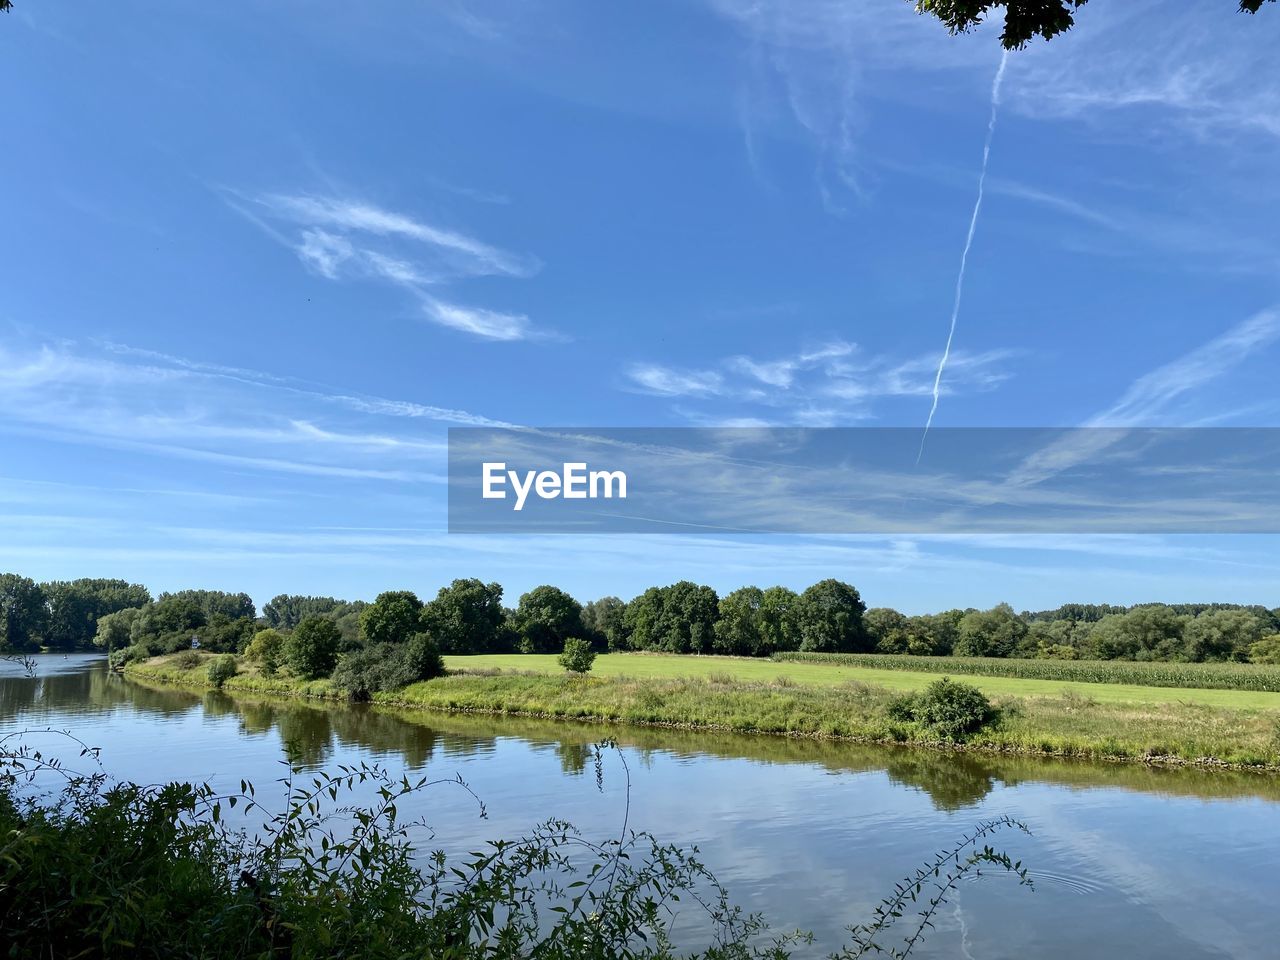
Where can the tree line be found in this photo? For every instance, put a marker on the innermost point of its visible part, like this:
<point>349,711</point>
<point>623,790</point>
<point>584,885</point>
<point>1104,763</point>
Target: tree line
<point>469,617</point>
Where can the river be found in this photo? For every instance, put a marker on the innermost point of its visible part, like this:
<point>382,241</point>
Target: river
<point>1128,861</point>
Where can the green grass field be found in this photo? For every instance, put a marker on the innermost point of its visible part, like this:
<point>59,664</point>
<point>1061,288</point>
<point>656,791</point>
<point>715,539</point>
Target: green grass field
<point>671,667</point>
<point>822,701</point>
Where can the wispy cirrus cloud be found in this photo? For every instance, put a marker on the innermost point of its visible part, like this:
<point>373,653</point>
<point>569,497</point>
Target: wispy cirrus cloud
<point>1199,68</point>
<point>124,398</point>
<point>1152,399</point>
<point>344,239</point>
<point>821,385</point>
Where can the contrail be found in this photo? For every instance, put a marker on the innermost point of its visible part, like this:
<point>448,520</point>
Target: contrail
<point>968,243</point>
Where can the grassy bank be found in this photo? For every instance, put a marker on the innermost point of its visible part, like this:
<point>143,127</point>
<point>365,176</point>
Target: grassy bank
<point>1174,730</point>
<point>823,673</point>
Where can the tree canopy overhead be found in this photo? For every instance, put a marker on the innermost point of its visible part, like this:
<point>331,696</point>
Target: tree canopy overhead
<point>1023,19</point>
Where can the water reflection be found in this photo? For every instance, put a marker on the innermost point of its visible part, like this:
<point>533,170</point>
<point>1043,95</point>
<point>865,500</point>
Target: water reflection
<point>311,733</point>
<point>1135,861</point>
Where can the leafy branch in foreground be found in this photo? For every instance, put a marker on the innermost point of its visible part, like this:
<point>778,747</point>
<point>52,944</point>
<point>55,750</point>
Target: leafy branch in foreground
<point>94,867</point>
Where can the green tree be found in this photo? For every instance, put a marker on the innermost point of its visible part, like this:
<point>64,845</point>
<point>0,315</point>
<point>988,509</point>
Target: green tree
<point>115,630</point>
<point>311,651</point>
<point>779,628</point>
<point>679,618</point>
<point>1266,650</point>
<point>1150,632</point>
<point>737,631</point>
<point>545,618</point>
<point>886,630</point>
<point>266,648</point>
<point>829,614</point>
<point>1023,19</point>
<point>605,620</point>
<point>393,617</point>
<point>990,633</point>
<point>577,656</point>
<point>233,606</point>
<point>465,617</point>
<point>24,615</point>
<point>75,607</point>
<point>168,623</point>
<point>286,611</point>
<point>1221,635</point>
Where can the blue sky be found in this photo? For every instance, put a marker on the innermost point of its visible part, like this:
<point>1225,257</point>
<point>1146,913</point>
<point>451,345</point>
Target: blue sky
<point>257,260</point>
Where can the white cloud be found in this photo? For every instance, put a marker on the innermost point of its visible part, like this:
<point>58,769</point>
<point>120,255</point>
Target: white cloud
<point>674,382</point>
<point>1150,396</point>
<point>132,399</point>
<point>489,324</point>
<point>344,239</point>
<point>817,386</point>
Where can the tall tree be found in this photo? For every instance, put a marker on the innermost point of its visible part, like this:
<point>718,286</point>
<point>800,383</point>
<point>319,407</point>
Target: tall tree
<point>286,611</point>
<point>737,631</point>
<point>393,617</point>
<point>76,606</point>
<point>605,623</point>
<point>545,618</point>
<point>24,616</point>
<point>679,618</point>
<point>311,651</point>
<point>465,617</point>
<point>830,618</point>
<point>990,633</point>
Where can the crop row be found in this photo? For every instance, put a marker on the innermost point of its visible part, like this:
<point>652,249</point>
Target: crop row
<point>1213,676</point>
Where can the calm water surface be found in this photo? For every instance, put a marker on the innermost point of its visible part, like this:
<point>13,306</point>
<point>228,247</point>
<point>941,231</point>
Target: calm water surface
<point>1128,862</point>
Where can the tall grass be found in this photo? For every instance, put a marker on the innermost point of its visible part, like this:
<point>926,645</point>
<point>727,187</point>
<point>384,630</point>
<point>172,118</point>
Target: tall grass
<point>1205,676</point>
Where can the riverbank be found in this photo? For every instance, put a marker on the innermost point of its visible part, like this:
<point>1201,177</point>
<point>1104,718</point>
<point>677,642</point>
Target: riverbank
<point>1066,725</point>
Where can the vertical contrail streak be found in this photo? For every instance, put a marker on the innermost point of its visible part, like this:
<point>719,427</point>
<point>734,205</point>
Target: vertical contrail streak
<point>968,243</point>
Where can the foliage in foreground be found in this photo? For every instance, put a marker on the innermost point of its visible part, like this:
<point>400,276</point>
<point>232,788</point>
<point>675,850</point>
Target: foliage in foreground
<point>119,870</point>
<point>1211,676</point>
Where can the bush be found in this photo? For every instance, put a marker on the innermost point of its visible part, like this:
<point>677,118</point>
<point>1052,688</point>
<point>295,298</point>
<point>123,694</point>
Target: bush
<point>266,648</point>
<point>946,709</point>
<point>421,659</point>
<point>577,656</point>
<point>187,660</point>
<point>388,666</point>
<point>362,674</point>
<point>222,669</point>
<point>118,659</point>
<point>311,651</point>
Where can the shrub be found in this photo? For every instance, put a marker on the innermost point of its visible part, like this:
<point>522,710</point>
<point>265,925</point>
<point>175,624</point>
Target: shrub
<point>946,709</point>
<point>362,674</point>
<point>953,710</point>
<point>388,666</point>
<point>577,656</point>
<point>222,669</point>
<point>267,648</point>
<point>421,659</point>
<point>311,651</point>
<point>126,655</point>
<point>187,660</point>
